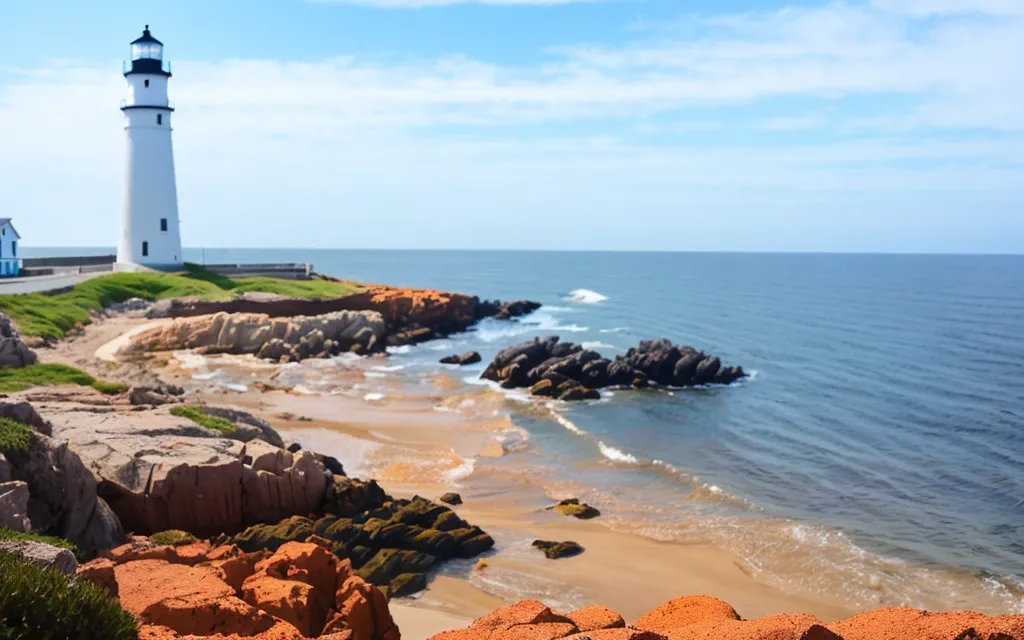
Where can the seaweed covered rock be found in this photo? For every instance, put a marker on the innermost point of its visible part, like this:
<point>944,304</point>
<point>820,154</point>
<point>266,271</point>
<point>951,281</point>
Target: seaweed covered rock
<point>573,507</point>
<point>462,360</point>
<point>387,545</point>
<point>555,550</point>
<point>566,371</point>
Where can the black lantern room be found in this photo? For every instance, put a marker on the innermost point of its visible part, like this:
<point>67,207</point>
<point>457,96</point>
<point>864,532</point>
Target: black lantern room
<point>147,56</point>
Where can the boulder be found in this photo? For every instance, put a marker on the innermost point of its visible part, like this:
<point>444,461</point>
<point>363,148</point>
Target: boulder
<point>149,396</point>
<point>14,497</point>
<point>42,554</point>
<point>573,507</point>
<point>683,612</point>
<point>453,499</point>
<point>555,550</point>
<point>595,617</point>
<point>14,354</point>
<point>465,359</point>
<point>100,572</point>
<point>363,609</point>
<point>26,414</point>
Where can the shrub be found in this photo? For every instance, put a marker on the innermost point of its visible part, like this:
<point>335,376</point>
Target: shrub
<point>14,436</point>
<point>18,536</point>
<point>38,603</point>
<point>173,537</point>
<point>38,374</point>
<point>196,415</point>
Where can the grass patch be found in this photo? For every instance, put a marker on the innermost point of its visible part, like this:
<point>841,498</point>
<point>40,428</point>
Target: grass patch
<point>196,415</point>
<point>35,375</point>
<point>173,537</point>
<point>52,317</point>
<point>42,604</point>
<point>14,437</point>
<point>7,535</point>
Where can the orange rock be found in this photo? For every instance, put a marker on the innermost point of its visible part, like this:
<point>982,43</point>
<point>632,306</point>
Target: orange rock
<point>223,552</point>
<point>303,562</point>
<point>525,612</point>
<point>100,572</point>
<point>780,627</point>
<point>187,600</point>
<point>142,549</point>
<point>544,631</point>
<point>235,570</point>
<point>595,617</point>
<point>626,633</point>
<point>292,601</point>
<point>685,611</point>
<point>362,608</point>
<point>897,624</point>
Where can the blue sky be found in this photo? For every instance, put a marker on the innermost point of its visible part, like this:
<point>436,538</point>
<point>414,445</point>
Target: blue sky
<point>749,125</point>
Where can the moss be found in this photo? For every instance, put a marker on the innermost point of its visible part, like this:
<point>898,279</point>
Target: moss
<point>40,603</point>
<point>54,316</point>
<point>14,437</point>
<point>555,550</point>
<point>18,536</point>
<point>173,537</point>
<point>272,536</point>
<point>407,584</point>
<point>35,375</point>
<point>196,415</point>
<point>573,507</point>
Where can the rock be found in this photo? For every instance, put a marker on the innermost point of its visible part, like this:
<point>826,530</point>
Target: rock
<point>26,414</point>
<point>297,584</point>
<point>294,447</point>
<point>149,463</point>
<point>148,396</point>
<point>407,584</point>
<point>129,305</point>
<point>516,309</point>
<point>573,507</point>
<point>299,337</point>
<point>465,359</point>
<point>263,430</point>
<point>6,471</point>
<point>363,609</point>
<point>565,371</point>
<point>453,499</point>
<point>527,612</point>
<point>595,617</point>
<point>42,554</point>
<point>556,550</point>
<point>14,354</point>
<point>63,499</point>
<point>897,624</point>
<point>14,497</point>
<point>626,633</point>
<point>683,612</point>
<point>100,572</point>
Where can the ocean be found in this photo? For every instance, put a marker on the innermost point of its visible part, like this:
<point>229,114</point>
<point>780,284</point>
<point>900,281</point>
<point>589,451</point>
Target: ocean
<point>876,452</point>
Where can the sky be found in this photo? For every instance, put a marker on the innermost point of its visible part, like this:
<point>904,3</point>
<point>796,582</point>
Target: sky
<point>691,125</point>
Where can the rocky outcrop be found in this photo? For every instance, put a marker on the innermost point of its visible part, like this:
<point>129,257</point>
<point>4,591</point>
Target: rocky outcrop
<point>280,339</point>
<point>465,359</point>
<point>555,550</point>
<point>301,591</point>
<point>410,315</point>
<point>248,427</point>
<point>14,498</point>
<point>566,371</point>
<point>392,545</point>
<point>14,354</point>
<point>63,494</point>
<point>704,617</point>
<point>42,554</point>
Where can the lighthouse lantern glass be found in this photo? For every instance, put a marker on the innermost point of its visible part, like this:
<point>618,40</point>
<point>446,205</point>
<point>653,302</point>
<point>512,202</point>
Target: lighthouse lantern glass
<point>147,51</point>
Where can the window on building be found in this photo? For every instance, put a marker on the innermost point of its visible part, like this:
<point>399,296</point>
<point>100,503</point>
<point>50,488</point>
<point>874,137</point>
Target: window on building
<point>14,249</point>
<point>145,249</point>
<point>159,118</point>
<point>163,224</point>
<point>147,84</point>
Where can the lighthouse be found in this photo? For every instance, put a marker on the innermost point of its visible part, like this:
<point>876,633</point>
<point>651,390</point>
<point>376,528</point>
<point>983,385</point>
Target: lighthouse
<point>149,220</point>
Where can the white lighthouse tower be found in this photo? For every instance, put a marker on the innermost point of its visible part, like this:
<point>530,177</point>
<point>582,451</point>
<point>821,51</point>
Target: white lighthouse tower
<point>149,221</point>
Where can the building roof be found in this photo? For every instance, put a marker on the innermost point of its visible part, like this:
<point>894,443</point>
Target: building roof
<point>7,221</point>
<point>147,38</point>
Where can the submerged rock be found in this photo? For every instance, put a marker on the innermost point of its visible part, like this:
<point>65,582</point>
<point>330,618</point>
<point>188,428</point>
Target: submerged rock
<point>566,371</point>
<point>465,359</point>
<point>573,507</point>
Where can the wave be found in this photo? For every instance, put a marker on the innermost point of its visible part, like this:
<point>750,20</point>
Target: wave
<point>596,345</point>
<point>239,388</point>
<point>464,470</point>
<point>494,330</point>
<point>615,330</point>
<point>405,348</point>
<point>397,367</point>
<point>373,397</point>
<point>568,424</point>
<point>585,296</point>
<point>616,455</point>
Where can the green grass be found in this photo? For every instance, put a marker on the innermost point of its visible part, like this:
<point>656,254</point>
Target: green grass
<point>35,375</point>
<point>14,437</point>
<point>52,317</point>
<point>173,537</point>
<point>196,415</point>
<point>7,535</point>
<point>39,603</point>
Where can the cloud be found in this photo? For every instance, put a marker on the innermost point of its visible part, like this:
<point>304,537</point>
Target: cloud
<point>792,113</point>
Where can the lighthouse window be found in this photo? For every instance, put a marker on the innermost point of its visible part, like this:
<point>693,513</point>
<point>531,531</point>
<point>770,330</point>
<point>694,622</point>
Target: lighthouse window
<point>159,118</point>
<point>147,84</point>
<point>145,249</point>
<point>163,224</point>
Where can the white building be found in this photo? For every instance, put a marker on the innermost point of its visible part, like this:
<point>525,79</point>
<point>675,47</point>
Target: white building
<point>149,221</point>
<point>10,264</point>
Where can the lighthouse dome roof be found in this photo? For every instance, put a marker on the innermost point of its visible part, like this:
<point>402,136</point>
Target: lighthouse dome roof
<point>147,37</point>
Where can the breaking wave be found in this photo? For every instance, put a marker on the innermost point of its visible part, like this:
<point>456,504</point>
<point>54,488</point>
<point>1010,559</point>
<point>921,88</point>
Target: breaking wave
<point>616,455</point>
<point>585,296</point>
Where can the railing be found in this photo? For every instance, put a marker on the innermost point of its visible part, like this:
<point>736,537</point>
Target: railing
<point>148,65</point>
<point>125,104</point>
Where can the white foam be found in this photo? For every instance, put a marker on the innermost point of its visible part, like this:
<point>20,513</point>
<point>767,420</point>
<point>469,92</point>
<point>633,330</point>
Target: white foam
<point>462,471</point>
<point>568,424</point>
<point>615,330</point>
<point>373,397</point>
<point>190,360</point>
<point>344,358</point>
<point>209,375</point>
<point>240,388</point>
<point>586,296</point>
<point>594,346</point>
<point>616,455</point>
<point>391,369</point>
<point>374,374</point>
<point>303,390</point>
<point>405,348</point>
